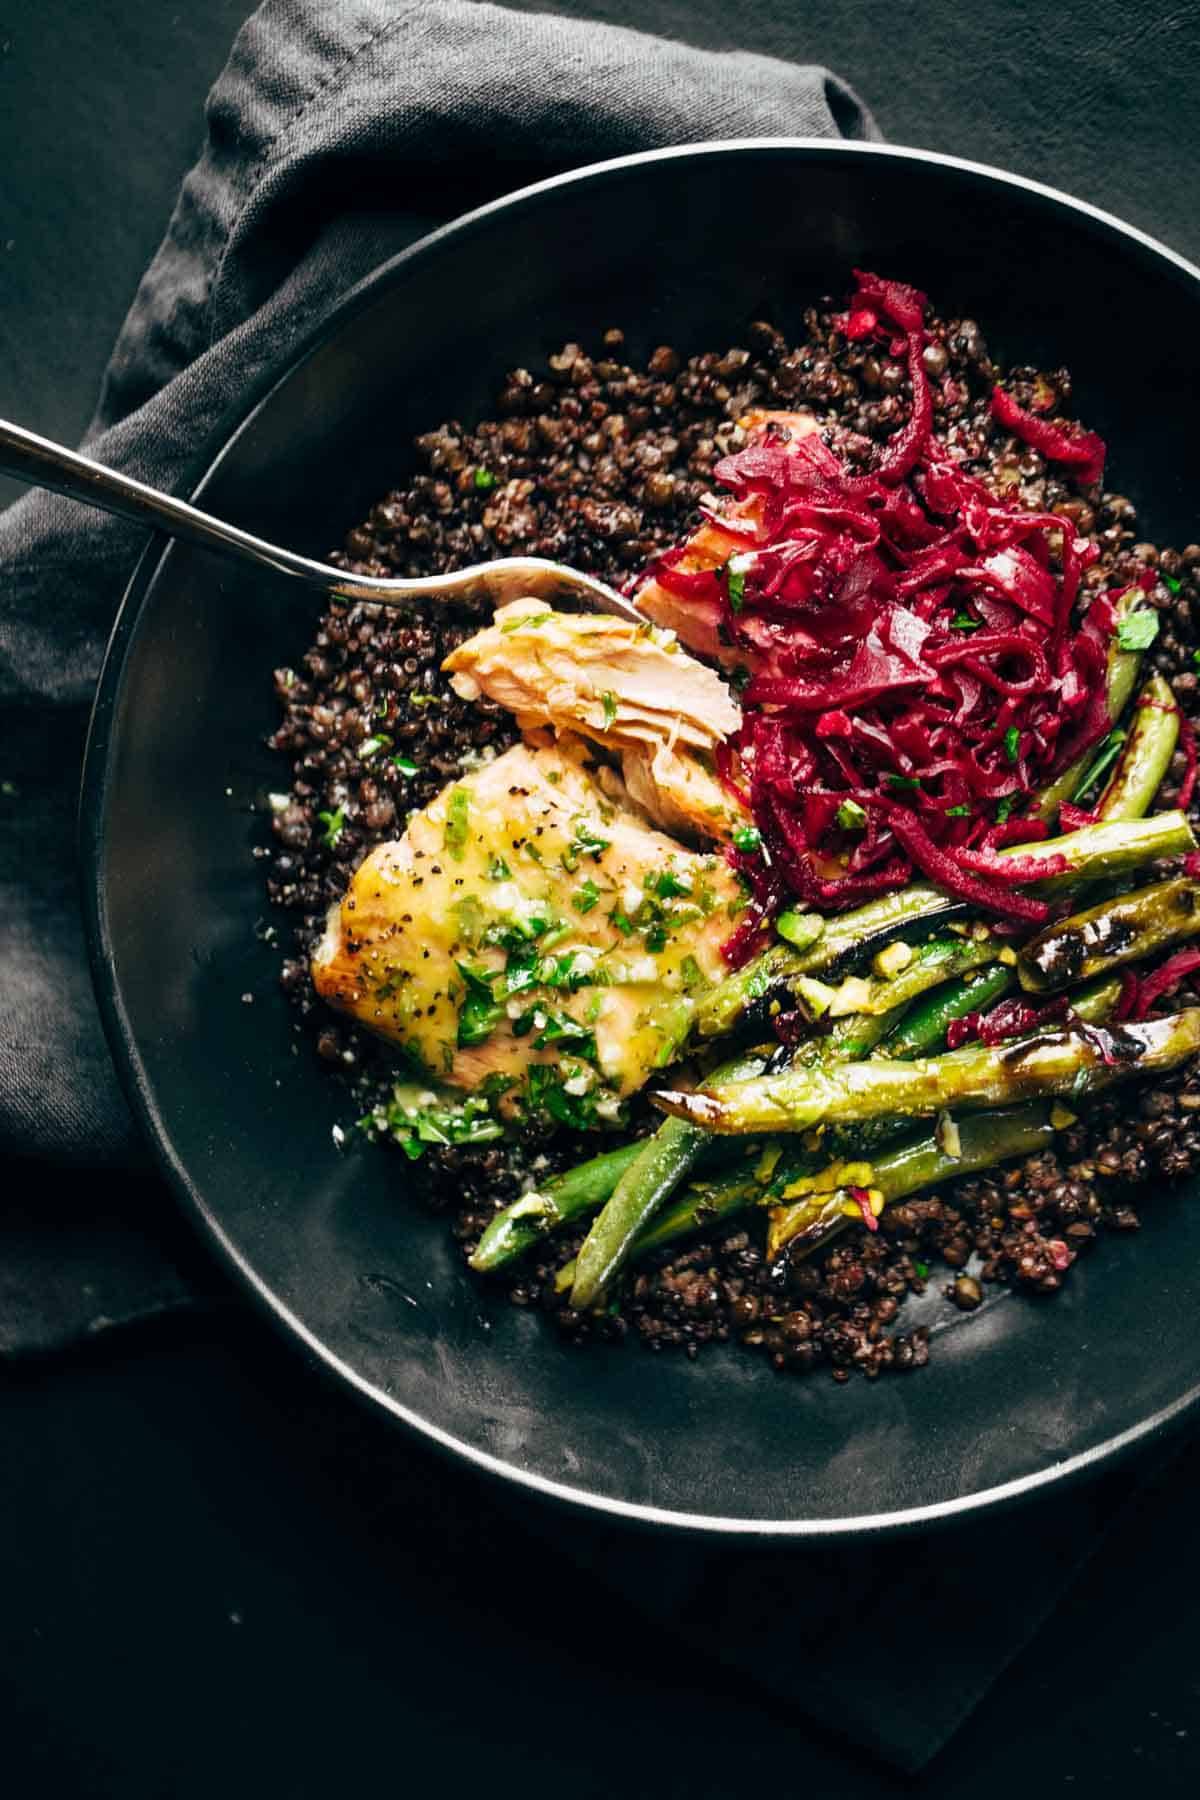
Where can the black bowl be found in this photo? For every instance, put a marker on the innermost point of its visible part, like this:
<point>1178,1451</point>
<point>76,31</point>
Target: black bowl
<point>682,246</point>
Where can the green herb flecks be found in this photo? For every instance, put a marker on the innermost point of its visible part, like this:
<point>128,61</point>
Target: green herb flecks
<point>480,1012</point>
<point>747,839</point>
<point>333,824</point>
<point>1012,743</point>
<point>485,480</point>
<point>458,822</point>
<point>608,701</point>
<point>371,746</point>
<point>691,974</point>
<point>850,816</point>
<point>551,1094</point>
<point>588,841</point>
<point>1101,763</point>
<point>668,884</point>
<point>417,1118</point>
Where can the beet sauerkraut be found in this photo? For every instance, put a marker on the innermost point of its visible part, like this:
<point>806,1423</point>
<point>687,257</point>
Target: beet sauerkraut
<point>914,668</point>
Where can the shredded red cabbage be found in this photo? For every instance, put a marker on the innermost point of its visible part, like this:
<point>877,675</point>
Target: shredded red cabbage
<point>1176,969</point>
<point>1007,1020</point>
<point>1080,450</point>
<point>916,673</point>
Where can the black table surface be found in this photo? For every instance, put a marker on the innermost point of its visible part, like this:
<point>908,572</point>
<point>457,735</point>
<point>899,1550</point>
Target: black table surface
<point>207,1580</point>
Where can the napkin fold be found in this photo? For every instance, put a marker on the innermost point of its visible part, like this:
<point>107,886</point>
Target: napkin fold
<point>337,135</point>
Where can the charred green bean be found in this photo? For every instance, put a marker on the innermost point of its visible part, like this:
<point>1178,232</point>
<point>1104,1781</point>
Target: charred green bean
<point>1110,935</point>
<point>1069,1059</point>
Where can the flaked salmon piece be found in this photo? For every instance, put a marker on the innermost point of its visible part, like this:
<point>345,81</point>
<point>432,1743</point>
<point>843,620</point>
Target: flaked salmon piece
<point>630,688</point>
<point>525,921</point>
<point>618,683</point>
<point>680,792</point>
<point>696,622</point>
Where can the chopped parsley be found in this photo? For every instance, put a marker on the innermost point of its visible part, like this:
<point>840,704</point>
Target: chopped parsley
<point>405,765</point>
<point>1103,761</point>
<point>561,1028</point>
<point>1176,587</point>
<point>588,842</point>
<point>548,1094</point>
<point>334,824</point>
<point>586,896</point>
<point>622,921</point>
<point>458,822</point>
<point>531,619</point>
<point>498,870</point>
<point>1012,743</point>
<point>747,839</point>
<point>961,811</point>
<point>668,885</point>
<point>735,587</point>
<point>1006,807</point>
<point>574,969</point>
<point>470,919</point>
<point>1138,630</point>
<point>691,973</point>
<point>851,816</point>
<point>921,1271</point>
<point>415,1122</point>
<point>521,969</point>
<point>424,700</point>
<point>903,782</point>
<point>373,745</point>
<point>485,480</point>
<point>609,702</point>
<point>481,1012</point>
<point>964,622</point>
<point>656,939</point>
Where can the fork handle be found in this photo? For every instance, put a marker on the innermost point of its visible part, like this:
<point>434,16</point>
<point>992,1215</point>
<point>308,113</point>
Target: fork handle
<point>43,463</point>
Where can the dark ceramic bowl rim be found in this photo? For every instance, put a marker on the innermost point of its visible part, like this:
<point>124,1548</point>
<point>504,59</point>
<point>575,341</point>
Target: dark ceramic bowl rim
<point>129,1066</point>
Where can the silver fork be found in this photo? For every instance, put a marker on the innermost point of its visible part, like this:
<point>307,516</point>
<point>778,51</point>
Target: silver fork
<point>43,463</point>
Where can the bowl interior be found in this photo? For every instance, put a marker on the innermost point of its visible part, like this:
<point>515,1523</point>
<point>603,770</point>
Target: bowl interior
<point>684,249</point>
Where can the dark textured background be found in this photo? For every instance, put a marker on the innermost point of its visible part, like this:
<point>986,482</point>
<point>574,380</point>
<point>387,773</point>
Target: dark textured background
<point>202,1584</point>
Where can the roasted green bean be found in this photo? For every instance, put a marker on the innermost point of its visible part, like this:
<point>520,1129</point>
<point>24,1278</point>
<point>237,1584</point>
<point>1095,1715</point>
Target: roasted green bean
<point>923,1028</point>
<point>1123,667</point>
<point>568,1196</point>
<point>1110,935</point>
<point>1146,757</point>
<point>1069,1059</point>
